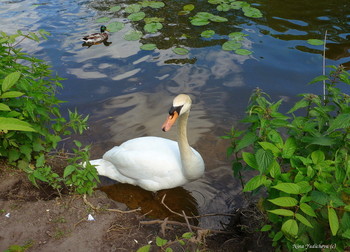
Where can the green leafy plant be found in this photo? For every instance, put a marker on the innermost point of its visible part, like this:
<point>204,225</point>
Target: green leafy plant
<point>165,245</point>
<point>31,124</point>
<point>302,162</point>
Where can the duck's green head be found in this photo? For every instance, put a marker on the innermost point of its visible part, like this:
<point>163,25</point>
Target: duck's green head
<point>103,28</point>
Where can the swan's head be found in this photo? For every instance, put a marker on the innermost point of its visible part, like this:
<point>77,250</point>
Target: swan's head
<point>181,105</point>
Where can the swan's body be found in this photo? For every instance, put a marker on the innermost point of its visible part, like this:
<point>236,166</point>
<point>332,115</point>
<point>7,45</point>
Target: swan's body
<point>155,163</point>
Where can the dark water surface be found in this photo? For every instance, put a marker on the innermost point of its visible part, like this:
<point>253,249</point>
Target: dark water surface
<point>127,92</point>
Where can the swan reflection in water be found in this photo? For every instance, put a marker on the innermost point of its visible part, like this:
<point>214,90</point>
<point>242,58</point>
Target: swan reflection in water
<point>177,199</point>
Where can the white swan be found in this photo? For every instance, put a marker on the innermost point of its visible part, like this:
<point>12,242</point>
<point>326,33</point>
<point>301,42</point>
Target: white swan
<point>155,163</point>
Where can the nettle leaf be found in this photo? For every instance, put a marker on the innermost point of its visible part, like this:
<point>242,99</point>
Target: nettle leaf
<point>180,51</point>
<point>15,124</point>
<point>207,34</point>
<point>317,156</point>
<point>149,47</point>
<point>288,188</point>
<point>250,159</point>
<point>298,105</point>
<point>283,212</point>
<point>254,183</point>
<point>271,147</point>
<point>103,20</point>
<point>303,220</point>
<point>153,27</point>
<point>10,80</point>
<point>284,201</point>
<point>342,121</point>
<point>290,228</point>
<point>115,26</point>
<point>133,35</point>
<point>315,42</point>
<point>246,140</point>
<point>264,158</point>
<point>289,148</point>
<point>333,220</point>
<point>137,16</point>
<point>319,79</point>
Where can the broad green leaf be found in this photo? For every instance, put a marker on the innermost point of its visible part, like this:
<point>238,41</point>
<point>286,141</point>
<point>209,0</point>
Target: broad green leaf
<point>303,220</point>
<point>205,15</point>
<point>218,19</point>
<point>207,34</point>
<point>275,169</point>
<point>319,79</point>
<point>346,234</point>
<point>68,170</point>
<point>288,188</point>
<point>10,80</point>
<point>187,235</point>
<point>231,45</point>
<point>290,228</point>
<point>252,12</point>
<point>315,41</point>
<point>103,20</point>
<point>188,7</point>
<point>277,236</point>
<point>160,242</point>
<point>145,248</point>
<point>180,51</point>
<point>199,21</point>
<point>237,36</point>
<point>153,27</point>
<point>11,94</point>
<point>264,158</point>
<point>115,26</point>
<point>333,221</point>
<point>137,16</point>
<point>133,35</point>
<point>275,137</point>
<point>223,7</point>
<point>15,124</point>
<point>298,105</point>
<point>271,147</point>
<point>289,148</point>
<point>254,183</point>
<point>283,212</point>
<point>4,107</point>
<point>152,4</point>
<point>239,5</point>
<point>153,20</point>
<point>266,228</point>
<point>342,121</point>
<point>243,52</point>
<point>115,8</point>
<point>133,8</point>
<point>319,197</point>
<point>246,140</point>
<point>249,158</point>
<point>284,201</point>
<point>320,140</point>
<point>149,47</point>
<point>317,156</point>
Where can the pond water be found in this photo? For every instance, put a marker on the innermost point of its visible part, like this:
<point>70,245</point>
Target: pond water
<point>128,91</point>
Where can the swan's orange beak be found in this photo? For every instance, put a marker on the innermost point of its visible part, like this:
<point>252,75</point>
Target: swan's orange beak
<point>170,121</point>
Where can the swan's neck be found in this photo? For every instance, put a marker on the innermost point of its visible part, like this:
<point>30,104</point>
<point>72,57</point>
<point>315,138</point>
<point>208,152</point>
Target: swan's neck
<point>188,158</point>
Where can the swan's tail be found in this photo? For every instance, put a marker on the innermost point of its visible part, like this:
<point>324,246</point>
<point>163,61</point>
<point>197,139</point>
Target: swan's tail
<point>103,167</point>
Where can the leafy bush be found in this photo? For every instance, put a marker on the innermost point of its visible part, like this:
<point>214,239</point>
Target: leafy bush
<point>303,163</point>
<point>31,124</point>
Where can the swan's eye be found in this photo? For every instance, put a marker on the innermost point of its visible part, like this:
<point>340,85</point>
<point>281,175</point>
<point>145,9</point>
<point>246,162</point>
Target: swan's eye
<point>173,109</point>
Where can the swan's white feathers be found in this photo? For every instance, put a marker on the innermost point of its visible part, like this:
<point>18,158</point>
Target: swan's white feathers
<point>154,163</point>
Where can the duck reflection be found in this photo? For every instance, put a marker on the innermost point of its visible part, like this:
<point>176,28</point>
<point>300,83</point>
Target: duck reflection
<point>177,199</point>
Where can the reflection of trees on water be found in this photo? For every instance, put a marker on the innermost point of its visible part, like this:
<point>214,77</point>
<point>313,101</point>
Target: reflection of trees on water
<point>302,20</point>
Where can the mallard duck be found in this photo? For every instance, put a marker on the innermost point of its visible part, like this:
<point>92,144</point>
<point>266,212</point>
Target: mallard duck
<point>155,163</point>
<point>96,38</point>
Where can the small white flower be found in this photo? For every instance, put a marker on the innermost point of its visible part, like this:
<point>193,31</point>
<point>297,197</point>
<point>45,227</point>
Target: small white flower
<point>7,215</point>
<point>90,218</point>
